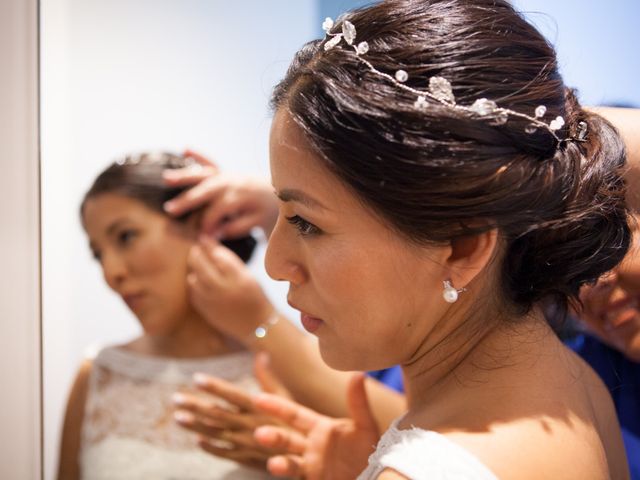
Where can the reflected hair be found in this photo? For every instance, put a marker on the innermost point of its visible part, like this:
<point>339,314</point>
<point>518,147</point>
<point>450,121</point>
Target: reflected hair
<point>139,176</point>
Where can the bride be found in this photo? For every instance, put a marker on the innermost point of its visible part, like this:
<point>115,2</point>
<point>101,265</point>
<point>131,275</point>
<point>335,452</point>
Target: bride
<point>119,422</point>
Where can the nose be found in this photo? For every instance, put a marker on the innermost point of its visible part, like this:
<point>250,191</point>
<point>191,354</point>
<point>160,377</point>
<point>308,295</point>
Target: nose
<point>114,269</point>
<point>281,260</point>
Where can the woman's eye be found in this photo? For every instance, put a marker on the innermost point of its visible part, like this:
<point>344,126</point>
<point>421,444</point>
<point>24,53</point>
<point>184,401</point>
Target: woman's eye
<point>125,237</point>
<point>303,227</point>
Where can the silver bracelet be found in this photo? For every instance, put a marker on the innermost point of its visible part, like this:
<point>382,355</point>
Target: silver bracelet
<point>262,329</point>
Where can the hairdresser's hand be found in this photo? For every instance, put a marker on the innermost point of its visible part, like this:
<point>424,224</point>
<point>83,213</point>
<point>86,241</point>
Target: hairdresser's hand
<point>233,205</point>
<point>224,292</point>
<point>319,447</point>
<point>226,428</point>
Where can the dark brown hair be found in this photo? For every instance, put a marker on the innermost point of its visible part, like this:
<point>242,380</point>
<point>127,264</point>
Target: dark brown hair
<point>433,173</point>
<point>139,177</point>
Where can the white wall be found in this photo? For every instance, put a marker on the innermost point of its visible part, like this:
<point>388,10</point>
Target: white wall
<point>19,242</point>
<point>596,43</point>
<point>132,75</point>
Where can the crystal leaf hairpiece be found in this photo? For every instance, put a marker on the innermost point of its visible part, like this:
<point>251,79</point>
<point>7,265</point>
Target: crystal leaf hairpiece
<point>170,160</point>
<point>441,91</point>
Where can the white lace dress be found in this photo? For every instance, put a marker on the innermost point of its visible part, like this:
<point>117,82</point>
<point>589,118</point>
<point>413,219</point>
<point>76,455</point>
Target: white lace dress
<point>128,430</point>
<point>423,455</point>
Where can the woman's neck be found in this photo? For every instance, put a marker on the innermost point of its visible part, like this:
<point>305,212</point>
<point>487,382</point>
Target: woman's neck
<point>448,376</point>
<point>193,338</point>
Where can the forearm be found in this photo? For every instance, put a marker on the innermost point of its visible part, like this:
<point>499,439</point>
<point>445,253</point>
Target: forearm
<point>296,360</point>
<point>627,121</point>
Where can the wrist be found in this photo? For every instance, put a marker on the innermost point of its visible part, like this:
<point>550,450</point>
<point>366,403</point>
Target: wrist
<point>260,334</point>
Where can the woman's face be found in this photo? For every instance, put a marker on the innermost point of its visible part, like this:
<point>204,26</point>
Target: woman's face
<point>612,305</point>
<point>369,296</point>
<point>143,255</point>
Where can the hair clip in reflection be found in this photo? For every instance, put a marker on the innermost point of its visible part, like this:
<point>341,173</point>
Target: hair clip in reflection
<point>440,90</point>
<point>171,160</point>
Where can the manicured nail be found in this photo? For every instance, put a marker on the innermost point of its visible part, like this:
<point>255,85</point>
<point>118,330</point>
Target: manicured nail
<point>169,206</point>
<point>183,417</point>
<point>178,398</point>
<point>201,379</point>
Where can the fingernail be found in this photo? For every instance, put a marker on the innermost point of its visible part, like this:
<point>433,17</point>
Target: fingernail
<point>218,235</point>
<point>178,398</point>
<point>200,378</point>
<point>264,358</point>
<point>262,433</point>
<point>169,206</point>
<point>183,417</point>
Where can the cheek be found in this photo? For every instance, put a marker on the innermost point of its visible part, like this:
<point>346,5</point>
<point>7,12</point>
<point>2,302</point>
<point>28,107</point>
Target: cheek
<point>164,267</point>
<point>373,284</point>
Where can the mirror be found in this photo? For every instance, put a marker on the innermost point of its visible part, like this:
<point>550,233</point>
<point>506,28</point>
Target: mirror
<point>120,77</point>
<point>124,76</point>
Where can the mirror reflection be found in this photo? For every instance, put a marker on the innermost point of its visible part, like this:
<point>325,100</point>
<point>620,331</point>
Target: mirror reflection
<point>119,78</point>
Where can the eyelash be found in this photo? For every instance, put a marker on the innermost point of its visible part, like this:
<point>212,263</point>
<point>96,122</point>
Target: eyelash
<point>304,228</point>
<point>125,236</point>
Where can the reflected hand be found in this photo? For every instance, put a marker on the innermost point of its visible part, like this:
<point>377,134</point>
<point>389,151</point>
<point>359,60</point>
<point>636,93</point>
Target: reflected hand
<point>226,427</point>
<point>319,447</point>
<point>233,205</point>
<point>224,292</point>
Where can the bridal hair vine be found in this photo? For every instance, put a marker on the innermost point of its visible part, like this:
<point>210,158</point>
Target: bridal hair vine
<point>441,91</point>
<point>169,160</point>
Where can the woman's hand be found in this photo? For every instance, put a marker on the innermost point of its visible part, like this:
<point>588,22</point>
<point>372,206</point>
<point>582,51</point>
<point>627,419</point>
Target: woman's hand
<point>224,292</point>
<point>233,205</point>
<point>225,418</point>
<point>319,447</point>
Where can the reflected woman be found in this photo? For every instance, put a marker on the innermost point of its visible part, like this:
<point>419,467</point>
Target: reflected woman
<point>119,420</point>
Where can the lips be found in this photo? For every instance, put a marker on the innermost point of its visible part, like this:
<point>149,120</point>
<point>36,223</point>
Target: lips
<point>134,300</point>
<point>309,322</point>
<point>621,311</point>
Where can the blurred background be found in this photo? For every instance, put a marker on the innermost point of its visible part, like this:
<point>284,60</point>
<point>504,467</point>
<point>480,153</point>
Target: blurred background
<point>122,76</point>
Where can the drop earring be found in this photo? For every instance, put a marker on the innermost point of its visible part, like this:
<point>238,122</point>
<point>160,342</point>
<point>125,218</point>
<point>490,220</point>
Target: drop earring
<point>450,293</point>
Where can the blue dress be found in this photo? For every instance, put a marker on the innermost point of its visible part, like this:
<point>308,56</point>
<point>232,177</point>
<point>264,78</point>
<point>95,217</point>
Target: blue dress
<point>391,377</point>
<point>622,377</point>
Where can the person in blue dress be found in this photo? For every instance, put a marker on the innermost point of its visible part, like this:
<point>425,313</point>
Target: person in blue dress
<point>608,338</point>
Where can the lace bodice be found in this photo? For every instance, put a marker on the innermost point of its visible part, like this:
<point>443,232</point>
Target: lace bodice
<point>423,455</point>
<point>128,428</point>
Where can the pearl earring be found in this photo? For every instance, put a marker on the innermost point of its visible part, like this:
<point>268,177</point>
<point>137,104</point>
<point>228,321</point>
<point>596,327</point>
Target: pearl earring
<point>450,293</point>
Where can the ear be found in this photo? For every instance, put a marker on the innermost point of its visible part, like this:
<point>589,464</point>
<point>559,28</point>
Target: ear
<point>189,225</point>
<point>470,255</point>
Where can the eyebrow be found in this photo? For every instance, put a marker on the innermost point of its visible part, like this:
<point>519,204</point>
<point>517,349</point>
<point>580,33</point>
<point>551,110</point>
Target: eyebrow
<point>292,195</point>
<point>115,224</point>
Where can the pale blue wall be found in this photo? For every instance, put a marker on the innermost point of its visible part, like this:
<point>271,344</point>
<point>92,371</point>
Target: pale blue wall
<point>597,42</point>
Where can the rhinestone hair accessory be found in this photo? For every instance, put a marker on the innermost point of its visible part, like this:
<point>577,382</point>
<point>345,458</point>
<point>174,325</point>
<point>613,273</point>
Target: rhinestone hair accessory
<point>170,160</point>
<point>441,91</point>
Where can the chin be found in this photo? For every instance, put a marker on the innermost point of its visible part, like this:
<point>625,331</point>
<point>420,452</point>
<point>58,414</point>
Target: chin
<point>632,351</point>
<point>155,327</point>
<point>347,361</point>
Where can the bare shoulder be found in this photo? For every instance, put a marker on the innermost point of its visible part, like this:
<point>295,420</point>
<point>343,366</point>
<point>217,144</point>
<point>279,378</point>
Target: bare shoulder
<point>560,428</point>
<point>389,474</point>
<point>79,390</point>
<point>68,466</point>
